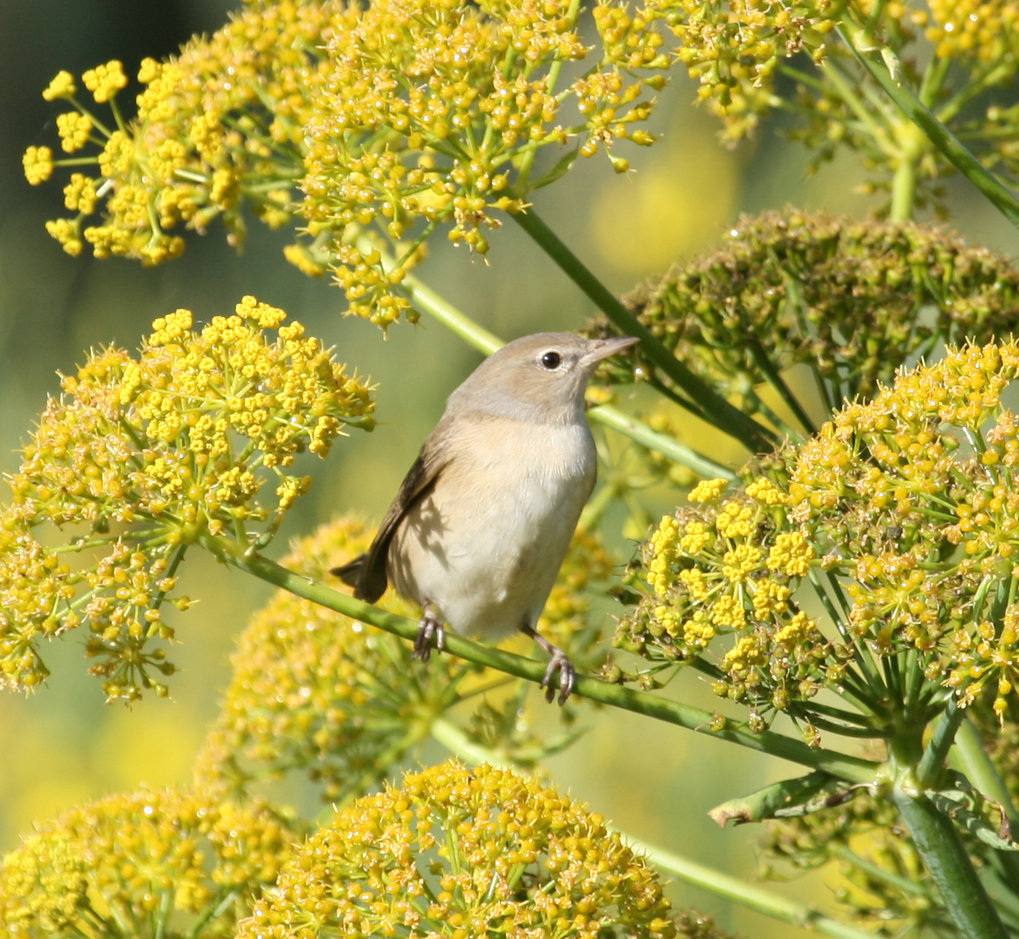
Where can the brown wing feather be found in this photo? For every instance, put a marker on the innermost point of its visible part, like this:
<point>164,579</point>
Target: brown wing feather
<point>368,573</point>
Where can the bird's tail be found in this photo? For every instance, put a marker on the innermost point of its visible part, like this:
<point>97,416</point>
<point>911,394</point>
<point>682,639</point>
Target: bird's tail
<point>369,581</point>
<point>350,573</point>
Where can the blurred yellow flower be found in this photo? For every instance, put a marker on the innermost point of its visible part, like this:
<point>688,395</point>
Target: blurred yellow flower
<point>168,862</point>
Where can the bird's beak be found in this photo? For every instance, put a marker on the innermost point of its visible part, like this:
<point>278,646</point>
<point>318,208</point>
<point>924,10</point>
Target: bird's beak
<point>603,348</point>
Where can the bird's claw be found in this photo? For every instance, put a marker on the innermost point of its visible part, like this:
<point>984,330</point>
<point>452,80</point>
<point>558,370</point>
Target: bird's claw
<point>560,663</point>
<point>429,629</point>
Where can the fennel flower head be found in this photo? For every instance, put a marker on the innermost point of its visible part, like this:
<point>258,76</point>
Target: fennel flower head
<point>878,562</point>
<point>461,852</point>
<point>192,441</point>
<point>167,862</point>
<point>369,129</point>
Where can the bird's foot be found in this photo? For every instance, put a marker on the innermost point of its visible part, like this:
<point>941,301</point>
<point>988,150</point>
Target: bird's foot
<point>559,662</point>
<point>429,629</point>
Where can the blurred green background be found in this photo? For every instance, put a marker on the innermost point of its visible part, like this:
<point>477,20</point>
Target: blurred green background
<point>63,745</point>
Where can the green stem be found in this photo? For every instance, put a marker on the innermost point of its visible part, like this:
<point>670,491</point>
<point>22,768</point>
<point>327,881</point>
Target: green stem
<point>868,672</point>
<point>668,446</point>
<point>933,760</point>
<point>775,379</point>
<point>722,414</point>
<point>905,884</point>
<point>944,855</point>
<point>746,894</point>
<point>551,80</point>
<point>904,181</point>
<point>428,301</point>
<point>850,768</point>
<point>456,321</point>
<point>847,90</point>
<point>865,48</point>
<point>932,82</point>
<point>226,898</point>
<point>600,500</point>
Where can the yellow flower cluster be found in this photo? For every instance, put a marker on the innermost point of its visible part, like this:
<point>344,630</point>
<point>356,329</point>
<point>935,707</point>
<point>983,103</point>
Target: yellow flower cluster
<point>904,514</point>
<point>959,58</point>
<point>38,164</point>
<point>218,130</point>
<point>730,567</point>
<point>154,863</point>
<point>984,30</point>
<point>104,81</point>
<point>909,501</point>
<point>393,119</point>
<point>62,86</point>
<point>915,493</point>
<point>734,48</point>
<point>463,852</point>
<point>431,113</point>
<point>144,456</point>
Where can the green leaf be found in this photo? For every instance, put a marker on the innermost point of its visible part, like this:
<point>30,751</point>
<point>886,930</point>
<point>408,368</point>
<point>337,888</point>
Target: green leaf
<point>785,799</point>
<point>982,817</point>
<point>561,168</point>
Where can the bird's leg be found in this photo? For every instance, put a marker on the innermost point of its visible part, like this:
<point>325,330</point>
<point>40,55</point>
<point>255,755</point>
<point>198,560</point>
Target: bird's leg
<point>559,662</point>
<point>429,628</point>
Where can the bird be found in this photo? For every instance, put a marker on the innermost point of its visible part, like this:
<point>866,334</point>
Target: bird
<point>479,528</point>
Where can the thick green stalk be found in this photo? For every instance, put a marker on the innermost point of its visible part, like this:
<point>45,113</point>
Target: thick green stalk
<point>932,763</point>
<point>720,412</point>
<point>850,768</point>
<point>944,855</point>
<point>904,181</point>
<point>970,758</point>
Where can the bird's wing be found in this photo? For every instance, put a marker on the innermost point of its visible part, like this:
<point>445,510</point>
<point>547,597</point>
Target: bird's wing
<point>367,574</point>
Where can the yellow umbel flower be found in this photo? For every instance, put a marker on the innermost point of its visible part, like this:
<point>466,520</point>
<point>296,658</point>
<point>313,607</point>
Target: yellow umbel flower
<point>144,456</point>
<point>163,860</point>
<point>38,164</point>
<point>898,520</point>
<point>104,81</point>
<point>363,126</point>
<point>943,452</point>
<point>462,852</point>
<point>62,86</point>
<point>723,573</point>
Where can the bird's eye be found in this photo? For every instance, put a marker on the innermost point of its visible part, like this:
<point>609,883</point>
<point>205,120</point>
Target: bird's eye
<point>551,360</point>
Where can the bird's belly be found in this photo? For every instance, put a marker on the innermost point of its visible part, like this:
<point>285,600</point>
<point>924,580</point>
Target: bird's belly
<point>487,556</point>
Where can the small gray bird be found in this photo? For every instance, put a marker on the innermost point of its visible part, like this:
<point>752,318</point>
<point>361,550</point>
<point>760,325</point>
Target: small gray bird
<point>482,522</point>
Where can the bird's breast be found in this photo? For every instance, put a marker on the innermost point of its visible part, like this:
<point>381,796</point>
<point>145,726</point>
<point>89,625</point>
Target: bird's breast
<point>486,543</point>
